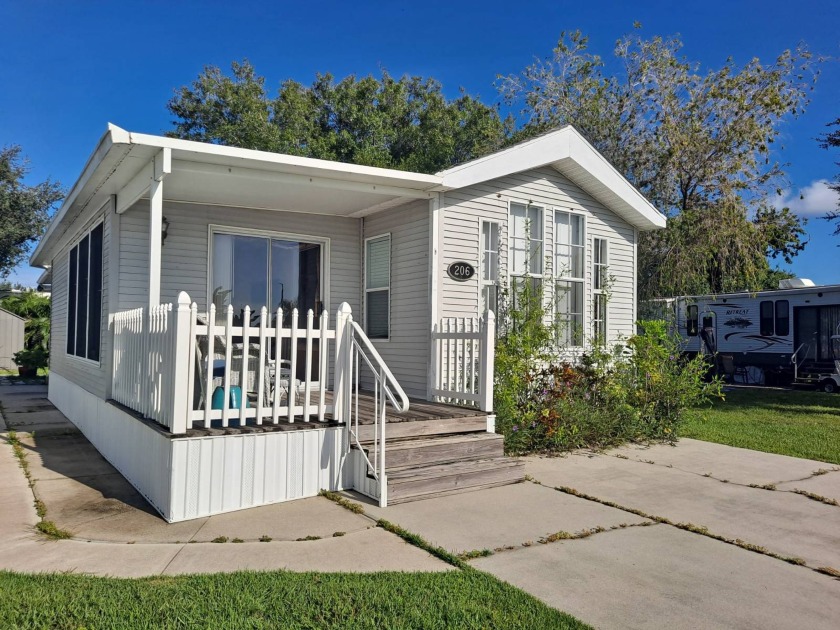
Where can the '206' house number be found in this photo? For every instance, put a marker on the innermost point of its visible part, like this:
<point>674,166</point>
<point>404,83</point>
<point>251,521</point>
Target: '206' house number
<point>461,271</point>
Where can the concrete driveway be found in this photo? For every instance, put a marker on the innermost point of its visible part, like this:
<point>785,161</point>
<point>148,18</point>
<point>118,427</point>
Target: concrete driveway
<point>644,549</point>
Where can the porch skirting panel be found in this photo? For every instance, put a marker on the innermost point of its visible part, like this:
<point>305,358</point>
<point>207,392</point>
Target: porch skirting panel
<point>141,454</point>
<point>188,478</point>
<point>216,474</point>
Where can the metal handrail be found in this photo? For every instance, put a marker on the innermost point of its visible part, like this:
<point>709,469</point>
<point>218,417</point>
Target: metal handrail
<point>385,387</point>
<point>795,361</point>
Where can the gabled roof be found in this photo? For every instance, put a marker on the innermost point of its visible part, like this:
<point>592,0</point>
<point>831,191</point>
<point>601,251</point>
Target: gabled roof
<point>207,173</point>
<point>571,154</point>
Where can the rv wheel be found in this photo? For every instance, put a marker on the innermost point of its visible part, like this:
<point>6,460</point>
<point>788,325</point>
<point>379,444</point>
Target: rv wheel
<point>829,386</point>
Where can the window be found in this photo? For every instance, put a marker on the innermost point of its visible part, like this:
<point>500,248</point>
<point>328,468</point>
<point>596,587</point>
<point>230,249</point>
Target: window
<point>378,286</point>
<point>774,318</point>
<point>691,320</point>
<point>569,265</point>
<point>84,304</point>
<point>782,318</point>
<point>599,289</point>
<point>489,286</point>
<point>766,315</point>
<point>257,271</point>
<point>526,240</point>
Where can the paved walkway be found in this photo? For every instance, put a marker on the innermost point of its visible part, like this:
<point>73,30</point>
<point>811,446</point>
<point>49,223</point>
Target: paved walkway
<point>615,568</point>
<point>116,533</point>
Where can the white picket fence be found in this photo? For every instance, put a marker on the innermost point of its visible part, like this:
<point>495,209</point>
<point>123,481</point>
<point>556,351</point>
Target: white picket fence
<point>167,366</point>
<point>463,355</point>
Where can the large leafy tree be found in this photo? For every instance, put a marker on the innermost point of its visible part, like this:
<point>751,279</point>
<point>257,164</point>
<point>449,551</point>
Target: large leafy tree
<point>24,210</point>
<point>404,123</point>
<point>697,144</point>
<point>831,140</point>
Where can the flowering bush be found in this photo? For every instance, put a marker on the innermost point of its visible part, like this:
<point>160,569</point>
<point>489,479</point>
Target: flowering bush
<point>635,391</point>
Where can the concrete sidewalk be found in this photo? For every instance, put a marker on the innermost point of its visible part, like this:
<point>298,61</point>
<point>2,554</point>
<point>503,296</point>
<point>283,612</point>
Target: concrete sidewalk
<point>116,533</point>
<point>616,569</point>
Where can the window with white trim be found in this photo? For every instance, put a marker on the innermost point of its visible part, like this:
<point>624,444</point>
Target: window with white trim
<point>569,255</point>
<point>525,258</point>
<point>600,287</point>
<point>378,286</point>
<point>489,266</point>
<point>84,296</point>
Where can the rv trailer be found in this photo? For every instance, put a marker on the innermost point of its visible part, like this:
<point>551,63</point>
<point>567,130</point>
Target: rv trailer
<point>790,334</point>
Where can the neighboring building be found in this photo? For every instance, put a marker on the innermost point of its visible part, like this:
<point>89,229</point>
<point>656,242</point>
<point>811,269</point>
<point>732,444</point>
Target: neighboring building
<point>11,338</point>
<point>404,266</point>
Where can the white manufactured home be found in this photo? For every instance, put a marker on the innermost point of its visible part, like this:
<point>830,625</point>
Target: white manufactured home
<point>766,335</point>
<point>233,328</point>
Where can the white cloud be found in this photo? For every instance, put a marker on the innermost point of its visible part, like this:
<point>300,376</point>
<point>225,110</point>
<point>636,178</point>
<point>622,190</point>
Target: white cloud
<point>813,200</point>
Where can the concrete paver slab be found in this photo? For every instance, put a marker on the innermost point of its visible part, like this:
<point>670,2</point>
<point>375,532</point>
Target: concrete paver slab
<point>29,422</point>
<point>288,521</point>
<point>783,522</point>
<point>61,457</point>
<point>360,552</point>
<point>737,465</point>
<point>498,517</point>
<point>827,485</point>
<point>661,577</point>
<point>105,559</point>
<point>108,508</point>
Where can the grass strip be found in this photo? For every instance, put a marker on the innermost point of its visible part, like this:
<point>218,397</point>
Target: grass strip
<point>796,423</point>
<point>276,599</point>
<point>356,508</point>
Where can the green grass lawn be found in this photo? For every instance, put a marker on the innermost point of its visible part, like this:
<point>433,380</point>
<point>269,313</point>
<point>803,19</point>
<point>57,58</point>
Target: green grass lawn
<point>278,599</point>
<point>798,423</point>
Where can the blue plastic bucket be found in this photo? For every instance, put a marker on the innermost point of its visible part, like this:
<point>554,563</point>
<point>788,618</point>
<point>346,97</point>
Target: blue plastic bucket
<point>217,402</point>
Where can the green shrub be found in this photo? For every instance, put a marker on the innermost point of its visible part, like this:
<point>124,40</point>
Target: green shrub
<point>545,402</point>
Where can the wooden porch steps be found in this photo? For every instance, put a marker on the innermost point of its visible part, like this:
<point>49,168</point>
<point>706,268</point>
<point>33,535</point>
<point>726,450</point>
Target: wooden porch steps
<point>432,458</point>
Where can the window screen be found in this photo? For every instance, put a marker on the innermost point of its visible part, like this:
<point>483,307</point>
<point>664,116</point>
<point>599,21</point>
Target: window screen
<point>378,287</point>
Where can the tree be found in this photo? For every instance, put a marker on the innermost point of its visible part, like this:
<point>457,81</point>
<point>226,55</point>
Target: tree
<point>699,146</point>
<point>404,123</point>
<point>24,210</point>
<point>828,141</point>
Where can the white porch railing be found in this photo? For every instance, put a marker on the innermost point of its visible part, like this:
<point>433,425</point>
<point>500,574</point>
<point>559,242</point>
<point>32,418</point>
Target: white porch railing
<point>463,354</point>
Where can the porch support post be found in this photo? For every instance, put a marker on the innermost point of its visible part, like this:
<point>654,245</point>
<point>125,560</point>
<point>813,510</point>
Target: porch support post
<point>488,358</point>
<point>343,378</point>
<point>162,167</point>
<point>181,366</point>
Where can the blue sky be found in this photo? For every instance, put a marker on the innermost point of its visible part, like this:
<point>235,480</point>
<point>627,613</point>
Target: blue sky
<point>68,68</point>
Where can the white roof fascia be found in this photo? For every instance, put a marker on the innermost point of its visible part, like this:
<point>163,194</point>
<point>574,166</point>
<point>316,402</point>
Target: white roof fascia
<point>265,160</point>
<point>113,135</point>
<point>557,148</point>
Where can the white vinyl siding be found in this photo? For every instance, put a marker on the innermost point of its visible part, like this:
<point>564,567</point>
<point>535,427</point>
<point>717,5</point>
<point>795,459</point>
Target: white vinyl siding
<point>407,351</point>
<point>91,376</point>
<point>460,238</point>
<point>377,286</point>
<point>185,255</point>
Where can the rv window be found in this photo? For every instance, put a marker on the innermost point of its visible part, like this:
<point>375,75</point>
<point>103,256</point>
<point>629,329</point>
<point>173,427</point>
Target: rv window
<point>766,313</point>
<point>782,318</point>
<point>691,321</point>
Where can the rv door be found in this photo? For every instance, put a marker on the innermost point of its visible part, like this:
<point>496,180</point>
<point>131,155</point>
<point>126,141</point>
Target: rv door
<point>708,333</point>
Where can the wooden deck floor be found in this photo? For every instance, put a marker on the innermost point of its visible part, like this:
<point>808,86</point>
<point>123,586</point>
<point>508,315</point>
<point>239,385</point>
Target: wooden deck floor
<point>418,410</point>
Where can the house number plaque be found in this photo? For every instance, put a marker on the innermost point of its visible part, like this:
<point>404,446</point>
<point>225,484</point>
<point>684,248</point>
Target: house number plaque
<point>461,271</point>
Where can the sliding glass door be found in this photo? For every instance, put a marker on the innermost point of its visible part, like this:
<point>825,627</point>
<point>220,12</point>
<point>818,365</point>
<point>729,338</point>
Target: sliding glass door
<point>259,271</point>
